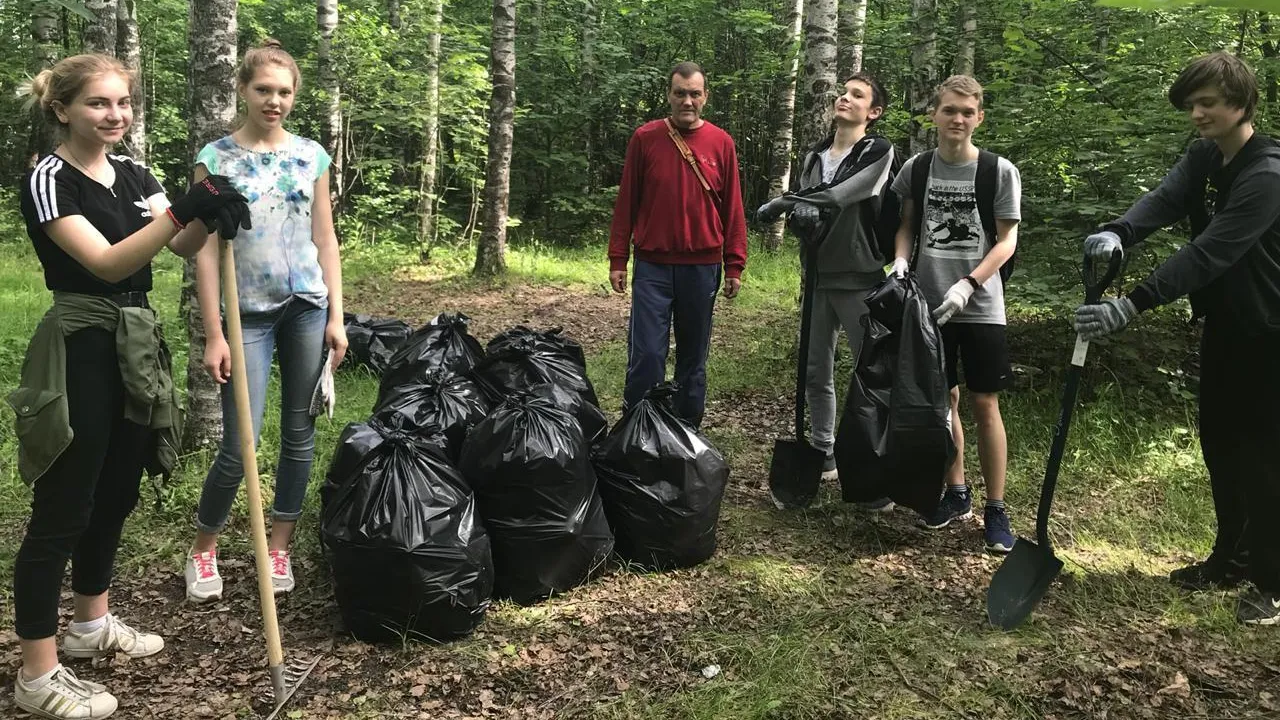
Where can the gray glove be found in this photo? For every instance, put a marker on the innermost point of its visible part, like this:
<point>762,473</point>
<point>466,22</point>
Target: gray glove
<point>1104,318</point>
<point>1099,247</point>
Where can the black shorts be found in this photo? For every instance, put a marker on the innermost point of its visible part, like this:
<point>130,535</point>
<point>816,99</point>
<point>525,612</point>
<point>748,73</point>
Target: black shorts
<point>983,349</point>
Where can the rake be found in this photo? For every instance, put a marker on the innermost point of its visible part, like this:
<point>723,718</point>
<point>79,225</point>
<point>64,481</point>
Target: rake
<point>285,679</point>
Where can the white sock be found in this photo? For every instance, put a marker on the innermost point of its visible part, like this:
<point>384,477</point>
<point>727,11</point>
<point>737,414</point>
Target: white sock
<point>84,628</point>
<point>37,683</point>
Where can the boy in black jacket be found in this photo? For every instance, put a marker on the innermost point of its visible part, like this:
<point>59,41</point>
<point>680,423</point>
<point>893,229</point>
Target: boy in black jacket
<point>1228,184</point>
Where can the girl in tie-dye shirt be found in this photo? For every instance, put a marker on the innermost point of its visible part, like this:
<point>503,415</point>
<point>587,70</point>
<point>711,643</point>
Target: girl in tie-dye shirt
<point>290,290</point>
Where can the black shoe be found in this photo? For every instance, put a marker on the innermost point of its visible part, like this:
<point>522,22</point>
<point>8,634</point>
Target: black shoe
<point>952,506</point>
<point>1256,607</point>
<point>1212,574</point>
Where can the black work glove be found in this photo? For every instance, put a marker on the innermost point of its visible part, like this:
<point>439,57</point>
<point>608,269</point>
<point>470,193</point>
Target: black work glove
<point>203,200</point>
<point>804,219</point>
<point>770,211</point>
<point>229,219</point>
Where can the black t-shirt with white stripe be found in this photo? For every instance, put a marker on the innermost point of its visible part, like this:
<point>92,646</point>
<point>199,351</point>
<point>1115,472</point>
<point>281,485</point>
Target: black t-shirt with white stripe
<point>56,189</point>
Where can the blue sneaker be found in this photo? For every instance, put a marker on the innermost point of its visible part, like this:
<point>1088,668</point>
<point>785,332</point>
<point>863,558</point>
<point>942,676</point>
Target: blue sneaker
<point>999,537</point>
<point>952,506</point>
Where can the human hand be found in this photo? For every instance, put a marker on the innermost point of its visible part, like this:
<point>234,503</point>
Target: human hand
<point>954,301</point>
<point>1104,318</point>
<point>217,359</point>
<point>618,280</point>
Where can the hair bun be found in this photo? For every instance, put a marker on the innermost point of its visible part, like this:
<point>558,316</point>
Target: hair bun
<point>272,43</point>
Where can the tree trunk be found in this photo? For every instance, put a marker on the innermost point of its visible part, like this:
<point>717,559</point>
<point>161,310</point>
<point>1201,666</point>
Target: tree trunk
<point>785,105</point>
<point>968,37</point>
<point>211,109</point>
<point>393,14</point>
<point>820,21</point>
<point>853,28</point>
<point>924,74</point>
<point>129,51</point>
<point>46,51</point>
<point>589,75</point>
<point>331,96</point>
<point>1268,53</point>
<point>100,34</point>
<point>492,247</point>
<point>430,137</point>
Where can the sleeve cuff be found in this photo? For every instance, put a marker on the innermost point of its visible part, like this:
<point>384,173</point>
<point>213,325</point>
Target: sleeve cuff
<point>617,263</point>
<point>1142,299</point>
<point>733,272</point>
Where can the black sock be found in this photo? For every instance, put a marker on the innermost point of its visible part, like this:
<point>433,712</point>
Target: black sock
<point>962,489</point>
<point>997,504</point>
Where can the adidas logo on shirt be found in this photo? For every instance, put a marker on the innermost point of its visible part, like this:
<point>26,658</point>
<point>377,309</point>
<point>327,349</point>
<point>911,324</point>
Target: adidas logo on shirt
<point>144,207</point>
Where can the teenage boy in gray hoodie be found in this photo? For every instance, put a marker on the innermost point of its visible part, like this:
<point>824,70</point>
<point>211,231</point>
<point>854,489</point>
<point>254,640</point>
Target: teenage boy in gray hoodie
<point>845,179</point>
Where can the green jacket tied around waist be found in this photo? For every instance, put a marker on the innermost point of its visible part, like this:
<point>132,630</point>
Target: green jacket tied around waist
<point>40,402</point>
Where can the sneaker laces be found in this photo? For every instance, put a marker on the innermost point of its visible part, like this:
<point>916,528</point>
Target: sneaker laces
<point>206,564</point>
<point>279,562</point>
<point>119,634</point>
<point>65,679</point>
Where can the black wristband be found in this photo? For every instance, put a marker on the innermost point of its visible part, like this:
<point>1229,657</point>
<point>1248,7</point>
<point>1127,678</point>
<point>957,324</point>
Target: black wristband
<point>974,282</point>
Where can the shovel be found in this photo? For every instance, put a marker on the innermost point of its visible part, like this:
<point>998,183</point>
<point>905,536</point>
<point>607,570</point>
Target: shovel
<point>284,680</point>
<point>796,469</point>
<point>1024,577</point>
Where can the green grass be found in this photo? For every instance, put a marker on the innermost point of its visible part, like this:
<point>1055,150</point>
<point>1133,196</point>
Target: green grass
<point>813,614</point>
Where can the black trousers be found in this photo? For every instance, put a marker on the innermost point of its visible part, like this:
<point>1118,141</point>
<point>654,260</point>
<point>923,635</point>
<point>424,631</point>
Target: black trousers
<point>1240,439</point>
<point>80,504</point>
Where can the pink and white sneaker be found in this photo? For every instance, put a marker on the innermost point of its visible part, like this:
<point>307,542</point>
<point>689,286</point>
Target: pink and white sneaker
<point>204,584</point>
<point>281,572</point>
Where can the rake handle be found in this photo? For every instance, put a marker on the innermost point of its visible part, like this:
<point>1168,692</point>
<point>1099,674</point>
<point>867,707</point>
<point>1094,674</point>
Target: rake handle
<point>249,457</point>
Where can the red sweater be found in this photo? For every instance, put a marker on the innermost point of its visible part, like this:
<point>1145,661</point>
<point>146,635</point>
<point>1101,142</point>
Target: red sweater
<point>663,207</point>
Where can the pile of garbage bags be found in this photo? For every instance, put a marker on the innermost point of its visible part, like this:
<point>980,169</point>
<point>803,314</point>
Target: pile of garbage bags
<point>490,472</point>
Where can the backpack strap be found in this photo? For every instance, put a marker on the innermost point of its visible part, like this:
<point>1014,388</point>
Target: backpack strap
<point>920,169</point>
<point>984,190</point>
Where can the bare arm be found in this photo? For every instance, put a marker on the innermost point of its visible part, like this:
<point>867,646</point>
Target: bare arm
<point>905,236</point>
<point>326,240</point>
<point>111,263</point>
<point>1000,252</point>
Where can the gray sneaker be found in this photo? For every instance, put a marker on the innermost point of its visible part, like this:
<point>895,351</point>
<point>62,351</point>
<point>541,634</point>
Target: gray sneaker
<point>204,583</point>
<point>884,504</point>
<point>281,572</point>
<point>64,696</point>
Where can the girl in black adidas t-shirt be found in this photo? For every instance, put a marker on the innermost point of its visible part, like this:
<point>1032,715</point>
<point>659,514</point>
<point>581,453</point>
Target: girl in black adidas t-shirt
<point>96,220</point>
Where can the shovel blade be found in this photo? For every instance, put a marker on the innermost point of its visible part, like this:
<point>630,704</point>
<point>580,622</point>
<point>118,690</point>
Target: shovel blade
<point>795,473</point>
<point>1020,582</point>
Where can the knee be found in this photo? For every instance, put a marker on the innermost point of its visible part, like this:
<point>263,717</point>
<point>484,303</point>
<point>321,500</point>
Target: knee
<point>298,444</point>
<point>986,409</point>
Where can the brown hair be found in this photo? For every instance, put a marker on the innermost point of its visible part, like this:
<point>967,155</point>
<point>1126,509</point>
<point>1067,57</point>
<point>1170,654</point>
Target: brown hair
<point>1224,71</point>
<point>960,85</point>
<point>686,70</point>
<point>878,97</point>
<point>270,52</point>
<point>63,82</point>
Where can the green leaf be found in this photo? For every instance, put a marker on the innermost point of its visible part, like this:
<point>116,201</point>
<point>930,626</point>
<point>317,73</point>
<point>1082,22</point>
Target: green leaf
<point>1271,5</point>
<point>72,6</point>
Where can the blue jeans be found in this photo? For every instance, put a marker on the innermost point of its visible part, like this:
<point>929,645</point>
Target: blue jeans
<point>659,295</point>
<point>297,331</point>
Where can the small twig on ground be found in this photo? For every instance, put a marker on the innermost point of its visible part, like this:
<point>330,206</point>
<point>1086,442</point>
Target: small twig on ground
<point>925,692</point>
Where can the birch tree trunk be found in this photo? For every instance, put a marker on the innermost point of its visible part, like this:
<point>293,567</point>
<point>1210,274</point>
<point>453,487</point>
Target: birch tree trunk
<point>492,246</point>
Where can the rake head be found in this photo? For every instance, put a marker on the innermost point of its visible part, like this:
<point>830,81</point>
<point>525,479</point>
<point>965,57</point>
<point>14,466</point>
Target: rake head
<point>285,679</point>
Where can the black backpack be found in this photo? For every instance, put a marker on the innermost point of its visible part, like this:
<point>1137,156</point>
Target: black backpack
<point>884,226</point>
<point>984,193</point>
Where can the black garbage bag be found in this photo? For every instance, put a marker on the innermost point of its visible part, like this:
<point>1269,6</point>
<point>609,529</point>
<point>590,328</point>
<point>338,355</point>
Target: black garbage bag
<point>661,484</point>
<point>443,402</point>
<point>371,341</point>
<point>536,491</point>
<point>442,343</point>
<point>522,357</point>
<point>894,439</point>
<point>399,526</point>
<point>591,419</point>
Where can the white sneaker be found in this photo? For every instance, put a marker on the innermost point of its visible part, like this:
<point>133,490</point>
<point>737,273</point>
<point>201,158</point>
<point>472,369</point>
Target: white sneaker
<point>204,584</point>
<point>114,636</point>
<point>64,696</point>
<point>281,572</point>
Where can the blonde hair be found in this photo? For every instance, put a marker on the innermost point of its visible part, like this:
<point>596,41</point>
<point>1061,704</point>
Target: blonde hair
<point>960,85</point>
<point>63,82</point>
<point>270,52</point>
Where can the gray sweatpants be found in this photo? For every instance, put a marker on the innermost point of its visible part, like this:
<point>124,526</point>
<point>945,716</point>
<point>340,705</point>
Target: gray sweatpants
<point>832,310</point>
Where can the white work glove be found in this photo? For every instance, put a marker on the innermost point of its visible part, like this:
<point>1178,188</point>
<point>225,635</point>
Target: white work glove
<point>1099,247</point>
<point>1104,318</point>
<point>900,267</point>
<point>956,298</point>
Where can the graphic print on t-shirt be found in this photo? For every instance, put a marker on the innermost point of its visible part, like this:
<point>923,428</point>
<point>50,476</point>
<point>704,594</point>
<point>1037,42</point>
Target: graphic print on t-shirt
<point>953,228</point>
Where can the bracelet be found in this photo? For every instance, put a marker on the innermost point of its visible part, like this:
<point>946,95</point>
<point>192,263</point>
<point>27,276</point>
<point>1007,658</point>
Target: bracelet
<point>974,282</point>
<point>169,211</point>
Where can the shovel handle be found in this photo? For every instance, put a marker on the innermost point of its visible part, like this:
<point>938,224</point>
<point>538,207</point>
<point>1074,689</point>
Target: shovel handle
<point>249,457</point>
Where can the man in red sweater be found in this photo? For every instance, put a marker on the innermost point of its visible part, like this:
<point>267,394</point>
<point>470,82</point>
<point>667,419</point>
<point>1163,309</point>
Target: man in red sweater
<point>684,216</point>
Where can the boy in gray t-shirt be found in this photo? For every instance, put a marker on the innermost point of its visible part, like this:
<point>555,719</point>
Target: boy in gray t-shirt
<point>958,267</point>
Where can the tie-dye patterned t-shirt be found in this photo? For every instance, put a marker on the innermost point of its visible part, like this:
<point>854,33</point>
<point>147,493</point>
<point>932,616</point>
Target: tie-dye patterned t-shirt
<point>277,259</point>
